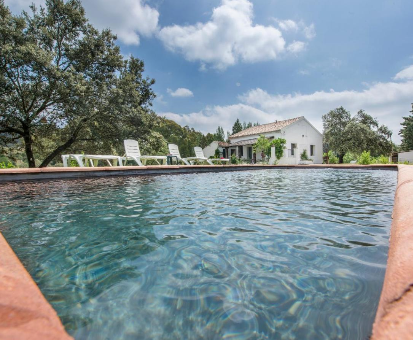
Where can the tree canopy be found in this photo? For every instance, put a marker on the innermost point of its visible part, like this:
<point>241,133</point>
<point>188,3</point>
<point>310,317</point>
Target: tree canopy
<point>343,133</point>
<point>63,84</point>
<point>406,132</point>
<point>264,145</point>
<point>220,134</point>
<point>237,127</point>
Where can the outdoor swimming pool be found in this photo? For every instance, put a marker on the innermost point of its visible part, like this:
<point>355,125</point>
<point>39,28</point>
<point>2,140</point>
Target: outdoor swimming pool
<point>269,254</point>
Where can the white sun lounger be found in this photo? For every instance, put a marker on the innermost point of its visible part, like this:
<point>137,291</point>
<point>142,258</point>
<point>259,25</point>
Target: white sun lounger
<point>174,151</point>
<point>199,153</point>
<point>133,153</point>
<point>82,160</point>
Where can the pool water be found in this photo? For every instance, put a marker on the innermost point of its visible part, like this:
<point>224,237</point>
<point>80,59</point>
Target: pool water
<point>269,254</point>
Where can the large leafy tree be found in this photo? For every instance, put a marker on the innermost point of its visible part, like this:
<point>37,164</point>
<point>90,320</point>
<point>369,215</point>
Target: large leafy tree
<point>343,133</point>
<point>64,84</point>
<point>334,124</point>
<point>406,132</point>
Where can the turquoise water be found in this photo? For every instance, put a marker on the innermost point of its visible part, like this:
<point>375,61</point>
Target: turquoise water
<point>271,254</point>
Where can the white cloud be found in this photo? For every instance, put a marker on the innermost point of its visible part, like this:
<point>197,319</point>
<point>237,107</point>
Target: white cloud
<point>296,47</point>
<point>238,84</point>
<point>227,38</point>
<point>180,92</point>
<point>128,19</point>
<point>288,25</point>
<point>407,73</point>
<point>309,32</point>
<point>297,27</point>
<point>209,118</point>
<point>387,101</point>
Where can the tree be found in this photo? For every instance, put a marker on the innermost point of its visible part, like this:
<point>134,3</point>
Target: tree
<point>334,124</point>
<point>246,125</point>
<point>220,134</point>
<point>264,145</point>
<point>343,133</point>
<point>279,145</point>
<point>406,132</point>
<point>65,84</point>
<point>237,127</point>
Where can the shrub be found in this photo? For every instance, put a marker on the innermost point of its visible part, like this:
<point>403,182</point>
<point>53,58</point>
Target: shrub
<point>304,156</point>
<point>349,156</point>
<point>332,158</point>
<point>216,153</point>
<point>382,160</point>
<point>234,159</point>
<point>279,145</point>
<point>365,158</point>
<point>6,165</point>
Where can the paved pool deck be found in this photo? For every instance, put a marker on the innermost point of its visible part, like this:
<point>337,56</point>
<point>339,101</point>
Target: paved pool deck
<point>26,314</point>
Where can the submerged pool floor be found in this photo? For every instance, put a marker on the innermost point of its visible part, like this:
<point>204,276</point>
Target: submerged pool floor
<point>268,254</point>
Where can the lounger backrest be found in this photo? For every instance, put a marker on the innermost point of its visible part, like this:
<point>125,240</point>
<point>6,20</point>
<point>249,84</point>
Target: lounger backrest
<point>132,148</point>
<point>199,152</point>
<point>174,150</point>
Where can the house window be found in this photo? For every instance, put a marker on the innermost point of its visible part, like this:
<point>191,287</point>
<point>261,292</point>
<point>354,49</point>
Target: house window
<point>312,150</point>
<point>240,151</point>
<point>232,152</point>
<point>293,146</point>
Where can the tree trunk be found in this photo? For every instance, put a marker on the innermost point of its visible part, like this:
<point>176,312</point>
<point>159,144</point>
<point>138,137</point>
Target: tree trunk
<point>341,158</point>
<point>28,141</point>
<point>57,151</point>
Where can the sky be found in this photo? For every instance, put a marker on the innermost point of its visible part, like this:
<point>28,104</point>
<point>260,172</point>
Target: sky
<point>264,60</point>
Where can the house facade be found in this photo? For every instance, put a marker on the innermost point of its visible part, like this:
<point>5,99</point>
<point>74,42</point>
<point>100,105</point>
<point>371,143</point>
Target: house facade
<point>299,133</point>
<point>406,157</point>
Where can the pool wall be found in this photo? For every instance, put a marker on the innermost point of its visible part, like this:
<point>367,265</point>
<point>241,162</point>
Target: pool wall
<point>25,313</point>
<point>7,175</point>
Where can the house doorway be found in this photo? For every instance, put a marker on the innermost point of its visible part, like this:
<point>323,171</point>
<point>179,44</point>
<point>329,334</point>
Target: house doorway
<point>249,152</point>
<point>240,152</point>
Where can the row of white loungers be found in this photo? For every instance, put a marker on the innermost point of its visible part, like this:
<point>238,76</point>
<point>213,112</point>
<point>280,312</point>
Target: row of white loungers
<point>133,153</point>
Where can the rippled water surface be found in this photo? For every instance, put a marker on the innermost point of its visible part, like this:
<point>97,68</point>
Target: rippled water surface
<point>272,254</point>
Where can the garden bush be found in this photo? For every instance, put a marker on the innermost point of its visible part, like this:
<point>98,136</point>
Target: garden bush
<point>365,158</point>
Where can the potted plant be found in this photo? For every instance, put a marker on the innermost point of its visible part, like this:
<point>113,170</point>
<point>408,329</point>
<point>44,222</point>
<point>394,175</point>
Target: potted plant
<point>304,159</point>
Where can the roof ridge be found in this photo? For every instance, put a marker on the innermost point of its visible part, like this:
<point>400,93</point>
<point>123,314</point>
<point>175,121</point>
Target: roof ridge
<point>257,128</point>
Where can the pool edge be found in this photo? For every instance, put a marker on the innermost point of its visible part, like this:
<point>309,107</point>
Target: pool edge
<point>17,174</point>
<point>394,317</point>
<point>24,311</point>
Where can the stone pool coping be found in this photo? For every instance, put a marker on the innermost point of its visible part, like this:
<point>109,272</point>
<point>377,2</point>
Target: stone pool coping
<point>394,317</point>
<point>25,313</point>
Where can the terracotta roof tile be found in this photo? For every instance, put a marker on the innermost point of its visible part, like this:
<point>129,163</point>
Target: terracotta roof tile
<point>223,144</point>
<point>256,130</point>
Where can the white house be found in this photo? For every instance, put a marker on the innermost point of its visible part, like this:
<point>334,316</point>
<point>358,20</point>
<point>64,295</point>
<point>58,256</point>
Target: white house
<point>298,132</point>
<point>406,156</point>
